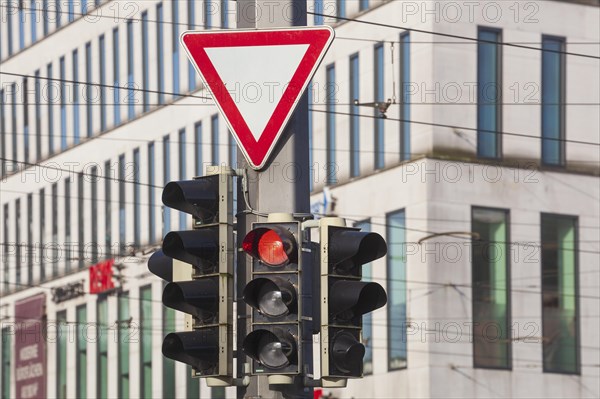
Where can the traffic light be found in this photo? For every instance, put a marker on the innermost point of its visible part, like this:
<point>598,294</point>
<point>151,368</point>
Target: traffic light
<point>274,294</point>
<point>344,298</point>
<point>205,294</point>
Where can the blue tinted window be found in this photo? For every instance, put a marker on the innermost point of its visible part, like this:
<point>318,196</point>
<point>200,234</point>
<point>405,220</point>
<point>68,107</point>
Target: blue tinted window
<point>84,6</point>
<point>122,206</point>
<point>309,95</point>
<point>63,102</point>
<point>63,112</point>
<point>191,26</point>
<point>330,165</point>
<point>318,10</point>
<point>232,151</point>
<point>207,14</point>
<point>363,5</point>
<point>50,112</point>
<point>341,8</point>
<point>378,96</point>
<point>38,116</point>
<point>160,53</point>
<point>175,45</point>
<point>89,90</point>
<point>137,230</point>
<point>214,127</point>
<point>151,194</point>
<point>198,147</point>
<point>166,179</point>
<point>396,289</point>
<point>182,172</point>
<point>58,12</point>
<point>9,29</point>
<point>354,118</point>
<point>116,73</point>
<point>21,16</point>
<point>488,94</point>
<point>2,135</point>
<point>130,69</point>
<point>71,10</point>
<point>33,20</point>
<point>102,77</point>
<point>25,119</point>
<point>145,77</point>
<point>45,16</point>
<point>553,99</point>
<point>405,96</point>
<point>224,14</point>
<point>15,101</point>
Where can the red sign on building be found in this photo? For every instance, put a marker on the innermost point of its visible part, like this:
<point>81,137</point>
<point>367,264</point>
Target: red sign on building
<point>101,277</point>
<point>30,348</point>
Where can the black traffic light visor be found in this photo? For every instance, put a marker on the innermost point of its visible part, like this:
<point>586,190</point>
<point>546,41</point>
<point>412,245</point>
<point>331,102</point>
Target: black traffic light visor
<point>349,299</point>
<point>199,198</point>
<point>199,349</point>
<point>161,265</point>
<point>349,248</point>
<point>200,248</point>
<point>196,297</point>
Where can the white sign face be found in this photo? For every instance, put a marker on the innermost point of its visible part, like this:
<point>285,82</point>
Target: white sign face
<point>257,78</point>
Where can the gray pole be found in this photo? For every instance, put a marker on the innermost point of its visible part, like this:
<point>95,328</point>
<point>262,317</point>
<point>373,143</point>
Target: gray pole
<point>283,186</point>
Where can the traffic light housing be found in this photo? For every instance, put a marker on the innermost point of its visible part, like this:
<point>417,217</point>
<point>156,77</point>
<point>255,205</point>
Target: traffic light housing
<point>274,294</point>
<point>206,293</point>
<point>344,298</point>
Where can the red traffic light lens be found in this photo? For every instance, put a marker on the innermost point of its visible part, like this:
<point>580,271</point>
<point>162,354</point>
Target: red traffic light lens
<point>271,249</point>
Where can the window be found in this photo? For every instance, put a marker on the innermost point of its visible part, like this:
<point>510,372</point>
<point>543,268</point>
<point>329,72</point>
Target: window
<point>151,194</point>
<point>378,127</point>
<point>6,268</point>
<point>232,151</point>
<point>42,233</point>
<point>224,14</point>
<point>182,173</point>
<point>123,337</point>
<point>116,69</point>
<point>88,90</point>
<point>198,148</point>
<point>318,10</point>
<point>81,215</point>
<point>7,334</point>
<point>405,96</point>
<point>58,12</point>
<point>55,257</point>
<point>122,205</point>
<point>63,111</point>
<point>38,116</point>
<point>166,179</point>
<point>137,217</point>
<point>94,210</point>
<point>108,177</point>
<point>63,101</point>
<point>191,26</point>
<point>15,101</point>
<point>160,53</point>
<point>491,300</point>
<point>146,341</point>
<point>50,111</point>
<point>168,364</point>
<point>21,17</point>
<point>30,238</point>
<point>25,120</point>
<point>84,7</point>
<point>102,77</point>
<point>102,347</point>
<point>207,14</point>
<point>68,210</point>
<point>311,177</point>
<point>354,118</point>
<point>71,10</point>
<point>45,17</point>
<point>2,135</point>
<point>553,100</point>
<point>193,385</point>
<point>560,325</point>
<point>330,164</point>
<point>214,127</point>
<point>396,289</point>
<point>61,354</point>
<point>145,76</point>
<point>363,5</point>
<point>340,6</point>
<point>81,355</point>
<point>18,240</point>
<point>489,73</point>
<point>130,69</point>
<point>175,46</point>
<point>9,29</point>
<point>367,320</point>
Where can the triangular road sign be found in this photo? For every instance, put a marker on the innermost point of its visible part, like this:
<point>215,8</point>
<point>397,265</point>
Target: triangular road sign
<point>256,78</point>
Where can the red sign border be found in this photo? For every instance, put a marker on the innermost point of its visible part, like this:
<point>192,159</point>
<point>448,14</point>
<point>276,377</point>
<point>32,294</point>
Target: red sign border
<point>319,38</point>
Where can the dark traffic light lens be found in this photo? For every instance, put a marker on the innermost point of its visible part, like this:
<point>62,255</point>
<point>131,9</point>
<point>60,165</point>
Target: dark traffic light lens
<point>271,249</point>
<point>275,354</point>
<point>273,301</point>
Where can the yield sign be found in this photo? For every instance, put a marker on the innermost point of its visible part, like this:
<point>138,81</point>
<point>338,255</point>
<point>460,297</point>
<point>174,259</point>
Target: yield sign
<point>256,78</point>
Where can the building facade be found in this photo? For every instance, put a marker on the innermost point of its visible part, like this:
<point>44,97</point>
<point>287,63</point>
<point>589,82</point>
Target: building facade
<point>483,177</point>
